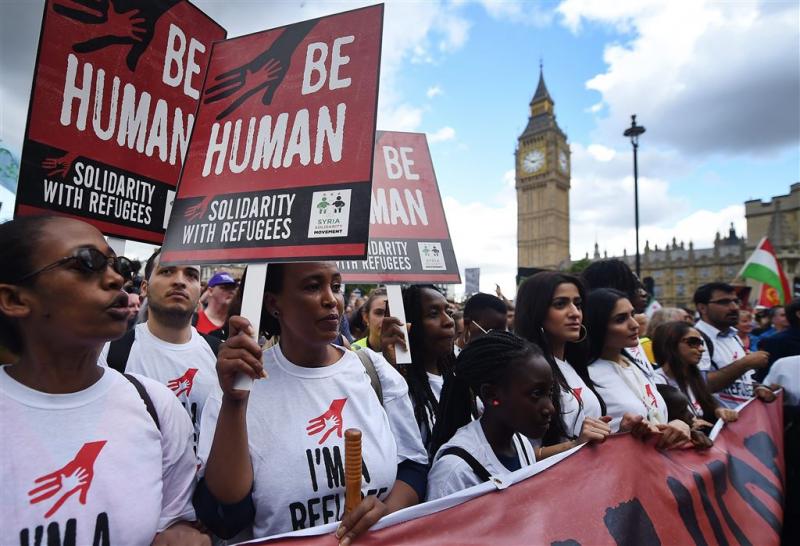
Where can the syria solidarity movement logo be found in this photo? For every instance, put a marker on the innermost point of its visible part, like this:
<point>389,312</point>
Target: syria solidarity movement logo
<point>74,477</point>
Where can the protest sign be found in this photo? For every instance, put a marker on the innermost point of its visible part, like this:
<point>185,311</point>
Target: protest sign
<point>113,104</point>
<point>280,163</point>
<point>472,280</point>
<point>409,238</point>
<point>622,492</point>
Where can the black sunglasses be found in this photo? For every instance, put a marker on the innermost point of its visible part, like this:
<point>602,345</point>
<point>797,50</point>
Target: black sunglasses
<point>90,260</point>
<point>693,342</point>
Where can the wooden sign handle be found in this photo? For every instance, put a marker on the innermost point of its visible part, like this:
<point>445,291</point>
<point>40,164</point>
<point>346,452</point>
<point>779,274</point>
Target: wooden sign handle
<point>352,469</point>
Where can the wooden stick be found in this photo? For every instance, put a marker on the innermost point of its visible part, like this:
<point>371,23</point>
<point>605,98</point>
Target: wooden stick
<point>252,300</point>
<point>352,469</point>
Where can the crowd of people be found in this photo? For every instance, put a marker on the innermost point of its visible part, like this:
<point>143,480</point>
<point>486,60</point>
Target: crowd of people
<point>106,398</point>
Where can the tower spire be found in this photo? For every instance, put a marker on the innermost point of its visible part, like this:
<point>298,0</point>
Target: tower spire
<point>541,90</point>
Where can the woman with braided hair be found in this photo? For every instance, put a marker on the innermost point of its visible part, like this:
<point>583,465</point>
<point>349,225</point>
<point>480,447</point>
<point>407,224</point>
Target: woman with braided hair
<point>550,315</point>
<point>515,384</point>
<point>431,335</point>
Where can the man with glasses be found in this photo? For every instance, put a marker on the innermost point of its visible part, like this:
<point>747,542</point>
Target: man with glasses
<point>729,369</point>
<point>483,313</point>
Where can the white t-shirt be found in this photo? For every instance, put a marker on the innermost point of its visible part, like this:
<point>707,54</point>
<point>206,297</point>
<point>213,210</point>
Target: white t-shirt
<point>638,353</point>
<point>727,349</point>
<point>627,390</point>
<point>452,473</point>
<point>296,420</point>
<point>694,405</point>
<point>436,382</point>
<point>786,373</point>
<point>187,369</point>
<point>94,460</point>
<point>571,410</point>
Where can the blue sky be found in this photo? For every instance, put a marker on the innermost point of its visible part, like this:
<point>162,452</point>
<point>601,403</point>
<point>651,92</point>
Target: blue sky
<point>715,83</point>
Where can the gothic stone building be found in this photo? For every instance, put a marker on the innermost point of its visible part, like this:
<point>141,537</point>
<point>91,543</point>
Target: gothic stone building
<point>678,269</point>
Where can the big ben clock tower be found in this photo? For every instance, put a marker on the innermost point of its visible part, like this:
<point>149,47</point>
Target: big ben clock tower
<point>542,182</point>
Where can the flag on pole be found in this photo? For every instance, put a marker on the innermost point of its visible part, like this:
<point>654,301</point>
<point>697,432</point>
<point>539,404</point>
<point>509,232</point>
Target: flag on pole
<point>763,266</point>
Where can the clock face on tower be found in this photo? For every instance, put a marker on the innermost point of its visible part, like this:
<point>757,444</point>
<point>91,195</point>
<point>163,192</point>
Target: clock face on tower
<point>533,161</point>
<point>562,161</point>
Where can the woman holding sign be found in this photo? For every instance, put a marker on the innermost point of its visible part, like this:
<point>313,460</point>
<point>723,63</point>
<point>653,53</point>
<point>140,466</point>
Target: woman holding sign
<point>431,336</point>
<point>549,309</point>
<point>272,456</point>
<point>89,453</point>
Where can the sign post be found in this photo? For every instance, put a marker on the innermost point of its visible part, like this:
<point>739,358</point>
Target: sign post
<point>112,108</point>
<point>276,170</point>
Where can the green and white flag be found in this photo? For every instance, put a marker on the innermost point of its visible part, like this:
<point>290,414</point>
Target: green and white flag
<point>763,266</point>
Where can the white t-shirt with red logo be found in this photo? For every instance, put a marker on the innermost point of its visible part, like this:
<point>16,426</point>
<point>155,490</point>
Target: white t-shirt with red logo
<point>571,410</point>
<point>627,390</point>
<point>187,369</point>
<point>452,473</point>
<point>92,463</point>
<point>296,420</point>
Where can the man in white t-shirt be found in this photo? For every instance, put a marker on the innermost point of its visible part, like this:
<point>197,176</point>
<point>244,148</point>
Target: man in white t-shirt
<point>729,368</point>
<point>167,348</point>
<point>786,373</point>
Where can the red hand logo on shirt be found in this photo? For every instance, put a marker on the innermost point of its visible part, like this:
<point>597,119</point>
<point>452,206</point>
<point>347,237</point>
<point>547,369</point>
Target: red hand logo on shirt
<point>75,476</point>
<point>329,421</point>
<point>651,396</point>
<point>184,383</point>
<point>577,392</point>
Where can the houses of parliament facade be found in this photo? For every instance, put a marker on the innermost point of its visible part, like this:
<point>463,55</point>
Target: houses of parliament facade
<point>543,184</point>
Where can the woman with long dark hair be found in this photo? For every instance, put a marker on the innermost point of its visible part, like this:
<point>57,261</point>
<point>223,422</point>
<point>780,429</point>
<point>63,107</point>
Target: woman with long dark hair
<point>678,348</point>
<point>431,335</point>
<point>372,314</point>
<point>515,384</point>
<point>549,313</point>
<point>624,386</point>
<point>270,454</point>
<point>89,451</point>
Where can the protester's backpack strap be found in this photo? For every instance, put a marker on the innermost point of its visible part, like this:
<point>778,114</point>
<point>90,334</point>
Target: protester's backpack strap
<point>473,463</point>
<point>213,342</point>
<point>369,366</point>
<point>521,446</point>
<point>119,350</point>
<point>148,403</point>
<point>709,348</point>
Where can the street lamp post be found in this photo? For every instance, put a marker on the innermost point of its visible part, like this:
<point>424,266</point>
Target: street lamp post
<point>633,133</point>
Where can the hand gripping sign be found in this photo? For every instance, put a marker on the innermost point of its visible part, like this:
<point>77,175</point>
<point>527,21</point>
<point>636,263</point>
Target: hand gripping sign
<point>278,168</point>
<point>114,97</point>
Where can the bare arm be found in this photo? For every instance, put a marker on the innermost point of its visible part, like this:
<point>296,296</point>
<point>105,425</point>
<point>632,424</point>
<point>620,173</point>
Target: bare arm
<point>724,377</point>
<point>229,471</point>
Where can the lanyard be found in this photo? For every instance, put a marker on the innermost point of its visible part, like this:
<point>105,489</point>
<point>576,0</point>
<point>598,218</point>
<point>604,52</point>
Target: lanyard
<point>640,391</point>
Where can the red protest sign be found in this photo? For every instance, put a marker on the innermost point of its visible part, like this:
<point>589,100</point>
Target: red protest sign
<point>409,238</point>
<point>280,162</point>
<point>623,491</point>
<point>113,103</point>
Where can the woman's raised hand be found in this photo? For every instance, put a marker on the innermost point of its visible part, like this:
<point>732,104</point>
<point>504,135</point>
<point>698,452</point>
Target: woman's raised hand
<point>240,353</point>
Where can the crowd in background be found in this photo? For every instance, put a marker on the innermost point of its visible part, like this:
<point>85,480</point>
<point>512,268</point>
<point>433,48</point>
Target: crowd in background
<point>110,375</point>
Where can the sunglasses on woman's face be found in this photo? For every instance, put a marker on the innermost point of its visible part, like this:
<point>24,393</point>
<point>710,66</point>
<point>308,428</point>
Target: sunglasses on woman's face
<point>693,342</point>
<point>90,260</point>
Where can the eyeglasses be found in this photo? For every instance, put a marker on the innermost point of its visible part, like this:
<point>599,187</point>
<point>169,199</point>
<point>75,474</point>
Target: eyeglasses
<point>485,331</point>
<point>726,301</point>
<point>693,342</point>
<point>90,260</point>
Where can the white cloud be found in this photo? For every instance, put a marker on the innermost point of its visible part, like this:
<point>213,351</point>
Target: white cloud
<point>529,13</point>
<point>601,153</point>
<point>434,91</point>
<point>703,76</point>
<point>6,204</point>
<point>443,134</point>
<point>485,236</point>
